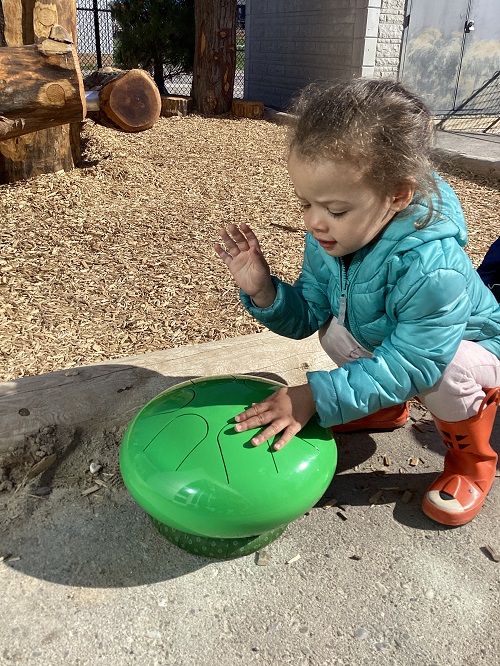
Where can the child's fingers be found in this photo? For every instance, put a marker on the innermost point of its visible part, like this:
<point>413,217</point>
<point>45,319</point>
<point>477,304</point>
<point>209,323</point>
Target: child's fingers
<point>228,240</point>
<point>288,434</point>
<point>239,239</point>
<point>270,432</point>
<point>255,414</point>
<point>250,236</point>
<point>225,256</point>
<point>235,241</point>
<point>249,422</point>
<point>276,427</point>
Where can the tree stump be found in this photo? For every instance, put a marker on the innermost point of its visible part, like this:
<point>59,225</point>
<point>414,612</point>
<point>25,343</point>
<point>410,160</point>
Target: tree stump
<point>128,99</point>
<point>176,105</point>
<point>244,108</point>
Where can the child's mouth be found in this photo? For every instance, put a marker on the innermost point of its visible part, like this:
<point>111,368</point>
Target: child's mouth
<point>327,244</point>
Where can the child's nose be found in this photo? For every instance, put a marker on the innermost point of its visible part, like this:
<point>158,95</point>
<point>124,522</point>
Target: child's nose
<point>315,220</point>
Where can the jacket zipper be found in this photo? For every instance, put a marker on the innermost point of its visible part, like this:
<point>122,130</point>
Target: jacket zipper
<point>344,288</point>
<point>342,307</point>
<point>346,279</point>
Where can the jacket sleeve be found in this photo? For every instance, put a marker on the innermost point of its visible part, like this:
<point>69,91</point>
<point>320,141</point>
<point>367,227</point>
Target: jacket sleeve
<point>431,312</point>
<point>299,310</point>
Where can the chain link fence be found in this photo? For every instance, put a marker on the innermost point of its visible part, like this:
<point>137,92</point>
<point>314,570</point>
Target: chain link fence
<point>478,113</point>
<point>95,34</point>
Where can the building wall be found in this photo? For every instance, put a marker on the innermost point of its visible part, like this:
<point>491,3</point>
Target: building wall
<point>390,34</point>
<point>290,43</point>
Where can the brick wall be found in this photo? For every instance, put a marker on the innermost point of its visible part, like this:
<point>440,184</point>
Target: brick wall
<point>390,33</point>
<point>290,43</point>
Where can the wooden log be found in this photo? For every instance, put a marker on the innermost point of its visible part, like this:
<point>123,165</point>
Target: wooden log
<point>128,99</point>
<point>176,105</point>
<point>99,397</point>
<point>41,86</point>
<point>245,108</point>
<point>30,155</point>
<point>48,150</point>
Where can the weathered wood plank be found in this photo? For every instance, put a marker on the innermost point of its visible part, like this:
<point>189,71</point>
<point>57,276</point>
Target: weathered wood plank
<point>108,394</point>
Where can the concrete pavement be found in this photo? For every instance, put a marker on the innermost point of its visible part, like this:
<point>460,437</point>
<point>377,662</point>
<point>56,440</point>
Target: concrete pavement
<point>476,152</point>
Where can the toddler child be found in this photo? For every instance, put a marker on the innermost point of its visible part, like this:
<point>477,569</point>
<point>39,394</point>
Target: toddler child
<point>387,284</point>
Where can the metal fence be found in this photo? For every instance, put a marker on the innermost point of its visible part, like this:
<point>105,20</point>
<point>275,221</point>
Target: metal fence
<point>478,113</point>
<point>95,43</point>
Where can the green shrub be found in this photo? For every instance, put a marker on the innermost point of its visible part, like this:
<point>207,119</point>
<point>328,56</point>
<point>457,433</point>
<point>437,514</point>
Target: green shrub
<point>155,35</point>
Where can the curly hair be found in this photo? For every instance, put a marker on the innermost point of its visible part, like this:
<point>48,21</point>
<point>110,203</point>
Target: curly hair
<point>375,124</point>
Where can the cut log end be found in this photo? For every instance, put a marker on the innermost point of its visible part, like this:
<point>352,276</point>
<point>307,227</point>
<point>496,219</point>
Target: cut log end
<point>132,102</point>
<point>245,108</point>
<point>176,105</point>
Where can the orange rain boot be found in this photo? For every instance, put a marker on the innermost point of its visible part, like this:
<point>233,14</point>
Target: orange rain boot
<point>388,418</point>
<point>470,465</point>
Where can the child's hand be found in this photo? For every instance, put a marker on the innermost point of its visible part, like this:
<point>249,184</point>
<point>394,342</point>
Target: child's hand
<point>244,258</point>
<point>287,410</point>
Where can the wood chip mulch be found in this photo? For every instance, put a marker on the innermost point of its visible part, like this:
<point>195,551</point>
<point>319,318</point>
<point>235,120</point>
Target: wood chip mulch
<point>116,258</point>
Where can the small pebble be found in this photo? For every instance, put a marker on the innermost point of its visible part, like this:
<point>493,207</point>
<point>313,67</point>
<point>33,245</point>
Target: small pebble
<point>95,467</point>
<point>430,594</point>
<point>42,492</point>
<point>381,587</point>
<point>153,634</point>
<point>361,633</point>
<point>263,557</point>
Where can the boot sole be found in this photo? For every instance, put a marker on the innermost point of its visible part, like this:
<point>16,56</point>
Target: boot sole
<point>446,518</point>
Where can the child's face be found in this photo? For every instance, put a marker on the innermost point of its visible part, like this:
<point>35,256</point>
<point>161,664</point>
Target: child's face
<point>340,210</point>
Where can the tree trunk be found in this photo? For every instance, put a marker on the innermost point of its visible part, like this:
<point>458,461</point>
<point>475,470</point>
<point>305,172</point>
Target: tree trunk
<point>158,76</point>
<point>215,55</point>
<point>41,86</point>
<point>48,150</point>
<point>128,100</point>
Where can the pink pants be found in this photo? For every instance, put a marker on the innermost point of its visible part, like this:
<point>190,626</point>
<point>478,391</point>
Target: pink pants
<point>456,396</point>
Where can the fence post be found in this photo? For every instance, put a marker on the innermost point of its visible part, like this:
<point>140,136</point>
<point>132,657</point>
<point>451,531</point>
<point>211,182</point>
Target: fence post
<point>97,34</point>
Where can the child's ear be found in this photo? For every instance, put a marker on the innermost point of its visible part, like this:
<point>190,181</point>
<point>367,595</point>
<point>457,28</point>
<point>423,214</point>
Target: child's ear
<point>403,196</point>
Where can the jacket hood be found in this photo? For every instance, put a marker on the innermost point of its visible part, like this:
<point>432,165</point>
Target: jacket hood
<point>447,221</point>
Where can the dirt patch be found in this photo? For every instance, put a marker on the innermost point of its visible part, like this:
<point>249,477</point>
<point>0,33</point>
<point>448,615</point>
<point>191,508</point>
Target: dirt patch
<point>65,462</point>
<point>116,259</point>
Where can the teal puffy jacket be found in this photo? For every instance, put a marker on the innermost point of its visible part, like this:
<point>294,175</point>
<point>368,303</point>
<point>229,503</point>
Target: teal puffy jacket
<point>412,297</point>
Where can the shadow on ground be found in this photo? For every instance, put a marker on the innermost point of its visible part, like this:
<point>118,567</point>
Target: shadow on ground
<point>105,540</point>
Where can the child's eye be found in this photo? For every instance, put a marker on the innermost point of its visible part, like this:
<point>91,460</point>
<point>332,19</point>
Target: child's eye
<point>334,214</point>
<point>304,206</point>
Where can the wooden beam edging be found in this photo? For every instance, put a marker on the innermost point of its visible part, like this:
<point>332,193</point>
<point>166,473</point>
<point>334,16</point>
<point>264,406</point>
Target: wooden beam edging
<point>105,395</point>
